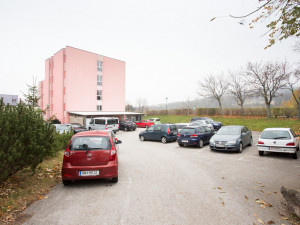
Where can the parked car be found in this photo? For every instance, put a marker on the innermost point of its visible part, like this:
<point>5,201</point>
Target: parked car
<point>104,123</point>
<point>181,125</point>
<point>62,128</point>
<point>216,125</point>
<point>127,125</point>
<point>278,140</point>
<point>76,127</point>
<point>202,123</point>
<point>231,138</point>
<point>194,135</point>
<point>160,132</point>
<point>91,155</point>
<point>155,120</point>
<point>144,123</point>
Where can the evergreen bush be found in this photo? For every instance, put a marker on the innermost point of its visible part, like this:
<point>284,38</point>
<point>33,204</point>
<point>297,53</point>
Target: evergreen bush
<point>25,138</point>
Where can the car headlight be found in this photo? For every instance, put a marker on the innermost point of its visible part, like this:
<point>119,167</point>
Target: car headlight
<point>232,142</point>
<point>211,141</point>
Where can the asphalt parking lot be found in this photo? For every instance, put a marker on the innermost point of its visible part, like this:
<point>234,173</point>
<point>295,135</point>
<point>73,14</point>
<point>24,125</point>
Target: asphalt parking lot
<point>167,184</point>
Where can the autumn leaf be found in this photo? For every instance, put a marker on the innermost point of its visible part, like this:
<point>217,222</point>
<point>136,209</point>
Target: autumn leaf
<point>213,19</point>
<point>270,222</point>
<point>246,197</point>
<point>219,188</point>
<point>260,221</point>
<point>223,203</point>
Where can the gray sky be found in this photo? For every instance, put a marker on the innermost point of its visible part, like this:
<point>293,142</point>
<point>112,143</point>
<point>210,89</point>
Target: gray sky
<point>168,45</point>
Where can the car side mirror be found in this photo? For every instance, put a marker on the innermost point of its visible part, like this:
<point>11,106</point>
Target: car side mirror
<point>118,142</point>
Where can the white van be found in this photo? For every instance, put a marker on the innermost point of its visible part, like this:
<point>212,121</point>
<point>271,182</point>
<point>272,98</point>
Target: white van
<point>155,120</point>
<point>104,123</point>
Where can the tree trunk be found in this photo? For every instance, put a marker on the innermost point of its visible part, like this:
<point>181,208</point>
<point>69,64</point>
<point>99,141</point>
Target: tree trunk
<point>298,111</point>
<point>268,110</point>
<point>221,109</point>
<point>242,110</point>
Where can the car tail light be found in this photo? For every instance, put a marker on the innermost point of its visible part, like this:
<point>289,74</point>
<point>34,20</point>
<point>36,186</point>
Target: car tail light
<point>113,154</point>
<point>67,152</point>
<point>260,142</point>
<point>290,144</point>
<point>169,132</point>
<point>178,135</point>
<point>106,126</point>
<point>194,135</point>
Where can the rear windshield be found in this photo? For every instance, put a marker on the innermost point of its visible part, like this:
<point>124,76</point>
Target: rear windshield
<point>276,134</point>
<point>90,143</point>
<point>173,128</point>
<point>188,131</point>
<point>112,121</point>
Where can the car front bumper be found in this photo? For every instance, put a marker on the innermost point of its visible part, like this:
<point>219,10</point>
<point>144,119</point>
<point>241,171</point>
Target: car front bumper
<point>227,148</point>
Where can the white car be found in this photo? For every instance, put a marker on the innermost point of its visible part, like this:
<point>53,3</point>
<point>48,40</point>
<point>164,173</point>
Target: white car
<point>181,125</point>
<point>278,140</point>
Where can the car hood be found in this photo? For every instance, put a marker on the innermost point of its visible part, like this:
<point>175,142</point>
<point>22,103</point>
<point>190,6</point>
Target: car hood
<point>217,137</point>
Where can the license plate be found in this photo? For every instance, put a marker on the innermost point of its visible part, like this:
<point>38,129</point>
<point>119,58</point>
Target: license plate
<point>185,141</point>
<point>89,173</point>
<point>220,146</point>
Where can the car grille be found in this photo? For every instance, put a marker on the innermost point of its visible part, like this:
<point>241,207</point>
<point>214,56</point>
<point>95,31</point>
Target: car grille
<point>221,142</point>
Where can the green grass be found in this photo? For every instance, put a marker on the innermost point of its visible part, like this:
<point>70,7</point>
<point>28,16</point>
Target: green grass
<point>253,123</point>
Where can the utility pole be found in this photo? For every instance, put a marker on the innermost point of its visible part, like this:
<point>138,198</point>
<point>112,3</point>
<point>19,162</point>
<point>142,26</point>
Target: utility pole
<point>166,103</point>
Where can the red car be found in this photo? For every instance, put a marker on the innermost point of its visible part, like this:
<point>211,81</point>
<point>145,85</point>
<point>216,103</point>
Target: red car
<point>91,155</point>
<point>144,123</point>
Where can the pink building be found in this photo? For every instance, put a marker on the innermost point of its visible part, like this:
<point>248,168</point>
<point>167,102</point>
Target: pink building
<point>77,80</point>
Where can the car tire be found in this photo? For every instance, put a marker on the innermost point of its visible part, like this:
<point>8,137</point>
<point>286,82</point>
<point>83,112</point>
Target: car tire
<point>142,138</point>
<point>294,155</point>
<point>200,144</point>
<point>240,147</point>
<point>66,182</point>
<point>251,142</point>
<point>261,153</point>
<point>181,145</point>
<point>163,140</point>
<point>90,129</point>
<point>125,128</point>
<point>115,179</point>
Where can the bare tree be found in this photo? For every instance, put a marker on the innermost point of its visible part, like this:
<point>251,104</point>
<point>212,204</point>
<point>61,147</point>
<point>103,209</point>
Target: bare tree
<point>239,89</point>
<point>266,79</point>
<point>215,87</point>
<point>142,104</point>
<point>292,82</point>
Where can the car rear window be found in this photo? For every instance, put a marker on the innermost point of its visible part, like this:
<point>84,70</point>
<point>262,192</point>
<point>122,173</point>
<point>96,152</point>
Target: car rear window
<point>276,134</point>
<point>90,143</point>
<point>173,128</point>
<point>188,131</point>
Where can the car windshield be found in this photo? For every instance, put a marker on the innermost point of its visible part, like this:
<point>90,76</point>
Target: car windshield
<point>62,128</point>
<point>276,134</point>
<point>229,131</point>
<point>90,143</point>
<point>209,120</point>
<point>187,131</point>
<point>76,126</point>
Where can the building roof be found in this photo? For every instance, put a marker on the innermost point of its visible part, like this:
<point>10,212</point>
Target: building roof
<point>102,113</point>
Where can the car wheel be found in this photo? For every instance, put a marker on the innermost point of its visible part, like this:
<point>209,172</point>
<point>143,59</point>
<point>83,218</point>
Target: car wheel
<point>90,128</point>
<point>240,147</point>
<point>200,145</point>
<point>294,155</point>
<point>115,179</point>
<point>261,153</point>
<point>67,182</point>
<point>142,138</point>
<point>125,128</point>
<point>251,142</point>
<point>164,140</point>
<point>180,145</point>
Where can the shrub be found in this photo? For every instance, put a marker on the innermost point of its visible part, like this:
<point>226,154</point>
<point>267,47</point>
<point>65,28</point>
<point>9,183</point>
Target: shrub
<point>25,139</point>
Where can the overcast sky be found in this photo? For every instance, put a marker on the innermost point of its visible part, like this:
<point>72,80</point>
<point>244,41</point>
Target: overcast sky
<point>168,45</point>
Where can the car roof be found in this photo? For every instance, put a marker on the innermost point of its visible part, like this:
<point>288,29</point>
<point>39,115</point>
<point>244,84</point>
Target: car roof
<point>278,128</point>
<point>94,133</point>
<point>234,126</point>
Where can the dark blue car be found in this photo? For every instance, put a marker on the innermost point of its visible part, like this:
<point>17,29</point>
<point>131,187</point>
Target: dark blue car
<point>160,132</point>
<point>194,136</point>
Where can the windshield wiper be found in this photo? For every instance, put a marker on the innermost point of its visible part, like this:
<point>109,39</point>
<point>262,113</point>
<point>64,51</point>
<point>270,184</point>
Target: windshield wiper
<point>279,137</point>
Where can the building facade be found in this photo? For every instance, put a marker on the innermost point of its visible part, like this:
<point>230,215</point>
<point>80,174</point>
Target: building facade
<point>10,99</point>
<point>78,80</point>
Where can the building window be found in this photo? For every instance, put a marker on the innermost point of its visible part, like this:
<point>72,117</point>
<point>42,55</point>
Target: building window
<point>99,107</point>
<point>99,80</point>
<point>14,101</point>
<point>99,65</point>
<point>99,95</point>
